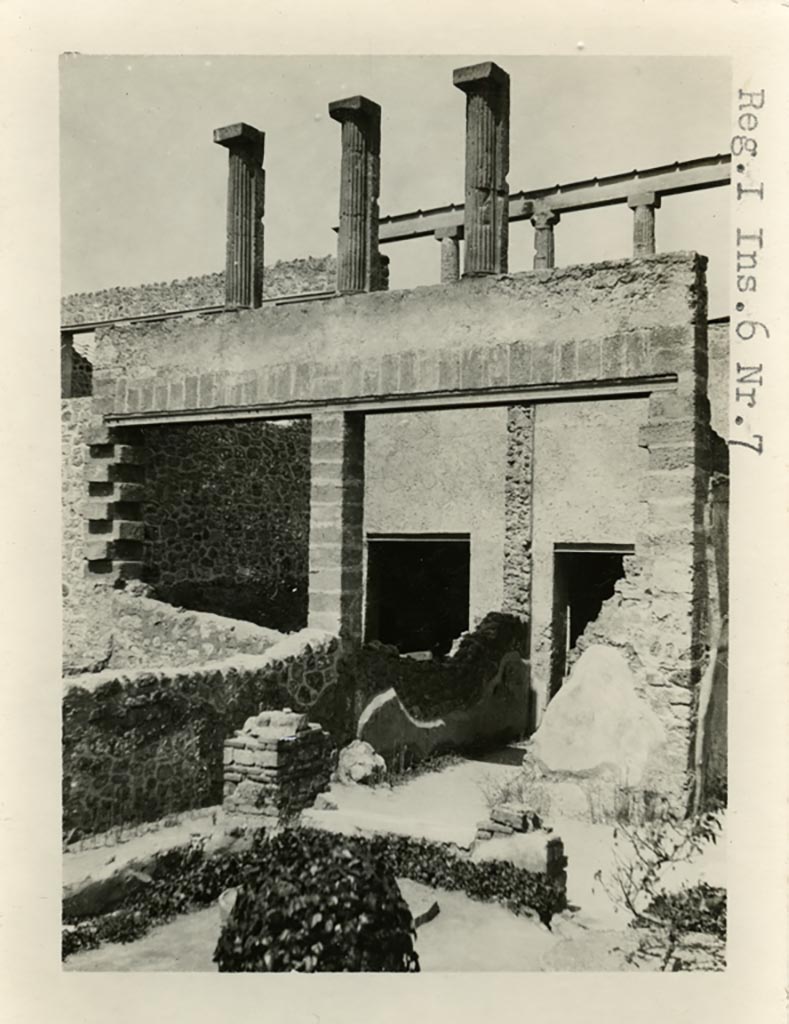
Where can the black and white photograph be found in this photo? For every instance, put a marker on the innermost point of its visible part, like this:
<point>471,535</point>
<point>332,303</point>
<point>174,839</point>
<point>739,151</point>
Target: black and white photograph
<point>396,584</point>
<point>395,549</point>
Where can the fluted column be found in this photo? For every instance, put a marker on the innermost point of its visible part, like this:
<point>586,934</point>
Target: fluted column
<point>643,207</point>
<point>543,222</point>
<point>487,89</point>
<point>450,252</point>
<point>358,268</point>
<point>245,206</point>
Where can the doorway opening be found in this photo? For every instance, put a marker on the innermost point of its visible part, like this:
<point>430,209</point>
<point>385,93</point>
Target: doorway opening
<point>417,591</point>
<point>584,577</point>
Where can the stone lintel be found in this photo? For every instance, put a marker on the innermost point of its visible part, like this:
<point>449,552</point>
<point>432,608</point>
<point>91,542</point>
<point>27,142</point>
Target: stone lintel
<point>242,136</point>
<point>644,199</point>
<point>352,106</point>
<point>473,75</point>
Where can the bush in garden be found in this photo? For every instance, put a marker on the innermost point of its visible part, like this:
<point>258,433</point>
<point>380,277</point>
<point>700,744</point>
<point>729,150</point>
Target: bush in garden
<point>312,902</point>
<point>668,920</point>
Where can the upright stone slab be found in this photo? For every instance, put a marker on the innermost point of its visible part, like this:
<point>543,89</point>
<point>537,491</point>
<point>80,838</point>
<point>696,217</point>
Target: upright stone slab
<point>245,206</point>
<point>487,89</point>
<point>358,265</point>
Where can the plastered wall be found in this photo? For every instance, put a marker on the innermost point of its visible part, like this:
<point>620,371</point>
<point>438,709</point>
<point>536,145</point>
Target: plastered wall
<point>442,472</point>
<point>588,488</point>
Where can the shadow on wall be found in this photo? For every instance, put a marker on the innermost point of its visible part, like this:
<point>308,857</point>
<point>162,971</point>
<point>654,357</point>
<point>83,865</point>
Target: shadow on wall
<point>227,519</point>
<point>477,698</point>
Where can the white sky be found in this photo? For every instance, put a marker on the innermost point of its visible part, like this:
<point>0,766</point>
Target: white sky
<point>143,185</point>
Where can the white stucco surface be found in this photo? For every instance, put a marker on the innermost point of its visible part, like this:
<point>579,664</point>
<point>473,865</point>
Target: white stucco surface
<point>442,472</point>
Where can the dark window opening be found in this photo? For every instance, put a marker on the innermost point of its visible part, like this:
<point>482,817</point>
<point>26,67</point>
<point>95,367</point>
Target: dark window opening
<point>584,577</point>
<point>418,591</point>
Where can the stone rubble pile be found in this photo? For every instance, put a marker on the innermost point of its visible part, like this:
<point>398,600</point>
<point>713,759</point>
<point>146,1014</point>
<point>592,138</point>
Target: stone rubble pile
<point>359,763</point>
<point>276,765</point>
<point>507,819</point>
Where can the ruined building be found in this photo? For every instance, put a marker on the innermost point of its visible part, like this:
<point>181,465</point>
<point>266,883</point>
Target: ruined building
<point>302,448</point>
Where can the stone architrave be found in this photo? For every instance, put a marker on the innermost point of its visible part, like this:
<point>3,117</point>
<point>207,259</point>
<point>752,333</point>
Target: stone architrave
<point>245,207</point>
<point>486,227</point>
<point>643,207</point>
<point>358,265</point>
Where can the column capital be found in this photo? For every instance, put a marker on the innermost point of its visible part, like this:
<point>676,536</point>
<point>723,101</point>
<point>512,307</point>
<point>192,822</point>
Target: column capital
<point>354,107</point>
<point>452,231</point>
<point>644,199</point>
<point>542,219</point>
<point>473,76</point>
<point>242,138</point>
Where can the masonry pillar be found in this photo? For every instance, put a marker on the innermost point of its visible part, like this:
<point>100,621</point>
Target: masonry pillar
<point>543,222</point>
<point>450,252</point>
<point>643,207</point>
<point>518,510</point>
<point>487,89</point>
<point>66,364</point>
<point>358,268</point>
<point>115,475</point>
<point>245,205</point>
<point>336,523</point>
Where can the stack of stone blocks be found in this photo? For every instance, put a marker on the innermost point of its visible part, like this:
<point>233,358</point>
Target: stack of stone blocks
<point>115,475</point>
<point>275,766</point>
<point>507,819</point>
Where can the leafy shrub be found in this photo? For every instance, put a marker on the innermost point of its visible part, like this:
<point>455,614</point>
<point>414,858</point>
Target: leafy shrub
<point>668,918</point>
<point>315,903</point>
<point>519,890</point>
<point>183,879</point>
<point>698,908</point>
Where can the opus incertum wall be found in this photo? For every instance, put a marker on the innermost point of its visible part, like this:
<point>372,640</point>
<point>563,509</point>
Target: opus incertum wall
<point>632,327</point>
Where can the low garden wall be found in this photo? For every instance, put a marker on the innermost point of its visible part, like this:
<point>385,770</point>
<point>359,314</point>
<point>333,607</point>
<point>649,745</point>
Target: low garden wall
<point>131,630</point>
<point>141,744</point>
<point>430,689</point>
<point>143,738</point>
<point>479,696</point>
<point>195,875</point>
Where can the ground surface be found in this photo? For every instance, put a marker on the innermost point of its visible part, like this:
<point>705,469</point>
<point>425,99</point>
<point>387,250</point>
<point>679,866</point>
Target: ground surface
<point>466,935</point>
<point>501,941</point>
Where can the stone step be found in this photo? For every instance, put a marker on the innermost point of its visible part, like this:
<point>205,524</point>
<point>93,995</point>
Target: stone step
<point>355,822</point>
<point>512,755</point>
